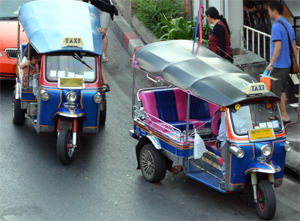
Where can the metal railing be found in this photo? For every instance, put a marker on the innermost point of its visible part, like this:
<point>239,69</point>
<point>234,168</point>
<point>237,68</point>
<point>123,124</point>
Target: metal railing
<point>259,42</point>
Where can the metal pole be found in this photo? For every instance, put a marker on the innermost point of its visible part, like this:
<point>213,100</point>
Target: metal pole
<point>133,91</point>
<point>247,40</point>
<point>28,67</point>
<point>264,47</point>
<point>18,46</point>
<point>187,120</point>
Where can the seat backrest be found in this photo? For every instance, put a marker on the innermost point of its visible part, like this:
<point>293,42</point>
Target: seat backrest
<point>198,108</point>
<point>149,103</point>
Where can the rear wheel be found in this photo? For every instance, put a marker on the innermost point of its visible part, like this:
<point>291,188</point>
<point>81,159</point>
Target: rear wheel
<point>152,163</point>
<point>18,115</point>
<point>266,200</point>
<point>103,115</point>
<point>65,151</point>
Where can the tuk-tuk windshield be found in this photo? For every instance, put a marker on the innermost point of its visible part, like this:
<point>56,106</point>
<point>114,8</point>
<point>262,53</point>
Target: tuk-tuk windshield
<point>71,66</point>
<point>256,115</point>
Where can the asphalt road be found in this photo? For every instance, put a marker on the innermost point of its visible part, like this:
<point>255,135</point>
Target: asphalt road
<point>103,183</point>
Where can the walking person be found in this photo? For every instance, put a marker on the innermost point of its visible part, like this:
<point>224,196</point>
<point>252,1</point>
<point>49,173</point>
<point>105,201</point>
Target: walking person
<point>107,10</point>
<point>280,52</point>
<point>219,40</point>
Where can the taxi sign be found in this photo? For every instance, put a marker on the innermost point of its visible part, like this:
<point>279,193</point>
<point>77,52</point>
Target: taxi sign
<point>261,134</point>
<point>256,88</point>
<point>72,42</point>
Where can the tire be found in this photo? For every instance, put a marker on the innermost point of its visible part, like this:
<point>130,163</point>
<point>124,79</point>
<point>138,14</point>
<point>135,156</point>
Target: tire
<point>152,163</point>
<point>18,115</point>
<point>65,155</point>
<point>266,200</point>
<point>102,119</point>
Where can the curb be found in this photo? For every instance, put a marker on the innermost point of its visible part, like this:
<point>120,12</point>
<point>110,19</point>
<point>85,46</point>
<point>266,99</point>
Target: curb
<point>132,42</point>
<point>126,35</point>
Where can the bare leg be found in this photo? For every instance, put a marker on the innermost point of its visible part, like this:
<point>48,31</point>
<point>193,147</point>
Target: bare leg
<point>284,114</point>
<point>105,44</point>
<point>104,79</point>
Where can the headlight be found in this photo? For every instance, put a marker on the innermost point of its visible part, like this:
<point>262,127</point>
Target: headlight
<point>236,151</point>
<point>45,95</point>
<point>71,96</point>
<point>97,98</point>
<point>266,150</point>
<point>288,146</point>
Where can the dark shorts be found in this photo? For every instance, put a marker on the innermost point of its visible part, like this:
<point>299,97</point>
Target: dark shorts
<point>283,74</point>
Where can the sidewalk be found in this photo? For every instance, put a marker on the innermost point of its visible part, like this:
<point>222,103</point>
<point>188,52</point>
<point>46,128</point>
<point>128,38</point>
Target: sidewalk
<point>132,42</point>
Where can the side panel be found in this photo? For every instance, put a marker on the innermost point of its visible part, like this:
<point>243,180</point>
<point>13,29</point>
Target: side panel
<point>91,110</point>
<point>27,96</point>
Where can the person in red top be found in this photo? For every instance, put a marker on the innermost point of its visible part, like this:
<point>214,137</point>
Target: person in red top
<point>219,40</point>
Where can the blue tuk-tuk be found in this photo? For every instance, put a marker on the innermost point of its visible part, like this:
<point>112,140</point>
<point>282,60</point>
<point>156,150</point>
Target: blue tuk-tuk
<point>64,98</point>
<point>193,99</point>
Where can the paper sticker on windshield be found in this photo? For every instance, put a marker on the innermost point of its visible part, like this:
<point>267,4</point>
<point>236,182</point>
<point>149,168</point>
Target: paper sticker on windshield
<point>261,134</point>
<point>53,73</point>
<point>275,123</point>
<point>61,74</point>
<point>71,74</point>
<point>88,75</point>
<point>269,124</point>
<point>262,125</point>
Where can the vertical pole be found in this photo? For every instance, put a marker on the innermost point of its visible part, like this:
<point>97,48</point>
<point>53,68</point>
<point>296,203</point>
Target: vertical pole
<point>264,47</point>
<point>133,91</point>
<point>258,41</point>
<point>18,46</point>
<point>247,40</point>
<point>253,43</point>
<point>28,67</point>
<point>187,120</point>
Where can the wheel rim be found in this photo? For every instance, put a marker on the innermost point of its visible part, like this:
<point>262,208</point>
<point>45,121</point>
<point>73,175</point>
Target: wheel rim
<point>147,163</point>
<point>70,149</point>
<point>260,200</point>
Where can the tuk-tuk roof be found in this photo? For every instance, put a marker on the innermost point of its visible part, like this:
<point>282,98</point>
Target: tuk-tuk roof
<point>206,74</point>
<point>48,22</point>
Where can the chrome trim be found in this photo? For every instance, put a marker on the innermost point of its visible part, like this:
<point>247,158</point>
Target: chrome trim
<point>17,94</point>
<point>235,149</point>
<point>134,135</point>
<point>70,115</point>
<point>147,89</point>
<point>11,49</point>
<point>154,141</point>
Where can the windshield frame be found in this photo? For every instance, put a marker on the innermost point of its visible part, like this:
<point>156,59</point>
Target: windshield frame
<point>70,54</point>
<point>278,131</point>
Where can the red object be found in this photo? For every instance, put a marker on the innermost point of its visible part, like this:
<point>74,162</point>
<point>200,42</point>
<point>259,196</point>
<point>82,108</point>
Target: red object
<point>75,125</point>
<point>127,36</point>
<point>267,82</point>
<point>9,39</point>
<point>58,124</point>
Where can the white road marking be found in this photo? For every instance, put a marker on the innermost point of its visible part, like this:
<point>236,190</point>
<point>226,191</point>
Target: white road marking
<point>11,218</point>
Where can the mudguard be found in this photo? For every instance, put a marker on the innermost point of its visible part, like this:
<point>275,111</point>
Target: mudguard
<point>68,112</point>
<point>262,167</point>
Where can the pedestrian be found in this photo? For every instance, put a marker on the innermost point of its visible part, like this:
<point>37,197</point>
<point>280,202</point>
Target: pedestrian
<point>219,39</point>
<point>107,10</point>
<point>280,52</point>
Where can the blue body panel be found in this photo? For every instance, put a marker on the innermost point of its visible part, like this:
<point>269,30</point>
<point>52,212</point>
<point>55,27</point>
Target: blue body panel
<point>48,22</point>
<point>267,167</point>
<point>27,96</point>
<point>252,151</point>
<point>207,179</point>
<point>55,106</point>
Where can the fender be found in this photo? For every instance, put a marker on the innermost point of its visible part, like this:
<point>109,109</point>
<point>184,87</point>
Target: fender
<point>262,167</point>
<point>144,140</point>
<point>68,112</point>
<point>18,90</point>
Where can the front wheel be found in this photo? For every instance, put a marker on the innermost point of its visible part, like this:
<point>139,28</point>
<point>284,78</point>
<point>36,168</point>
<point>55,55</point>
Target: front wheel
<point>266,200</point>
<point>65,151</point>
<point>152,164</point>
<point>18,115</point>
<point>103,115</point>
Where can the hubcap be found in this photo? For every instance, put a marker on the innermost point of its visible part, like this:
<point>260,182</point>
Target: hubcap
<point>147,163</point>
<point>70,148</point>
<point>260,200</point>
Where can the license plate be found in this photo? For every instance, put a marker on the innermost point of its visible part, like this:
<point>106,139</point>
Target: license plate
<point>261,134</point>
